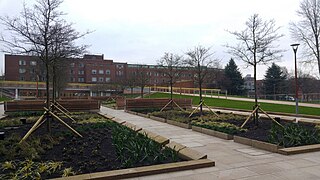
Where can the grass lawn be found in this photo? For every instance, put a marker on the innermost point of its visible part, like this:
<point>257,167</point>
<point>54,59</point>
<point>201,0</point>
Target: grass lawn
<point>4,99</point>
<point>244,105</point>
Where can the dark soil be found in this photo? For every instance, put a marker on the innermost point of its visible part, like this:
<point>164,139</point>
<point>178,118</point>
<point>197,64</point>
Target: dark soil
<point>260,132</point>
<point>92,153</point>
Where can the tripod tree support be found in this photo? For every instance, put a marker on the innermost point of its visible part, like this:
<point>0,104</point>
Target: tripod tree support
<point>257,110</point>
<point>63,108</point>
<point>203,103</point>
<point>42,119</point>
<point>63,112</point>
<point>170,102</point>
<point>34,127</point>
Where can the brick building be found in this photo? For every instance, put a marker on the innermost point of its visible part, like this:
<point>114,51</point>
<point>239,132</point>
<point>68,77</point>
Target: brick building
<point>91,69</point>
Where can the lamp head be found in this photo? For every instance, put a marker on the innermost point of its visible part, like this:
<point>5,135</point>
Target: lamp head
<point>294,47</point>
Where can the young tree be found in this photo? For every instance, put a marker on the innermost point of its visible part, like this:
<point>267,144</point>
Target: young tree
<point>234,78</point>
<point>40,31</point>
<point>256,45</point>
<point>170,65</point>
<point>201,59</point>
<point>307,30</point>
<point>142,78</point>
<point>274,81</point>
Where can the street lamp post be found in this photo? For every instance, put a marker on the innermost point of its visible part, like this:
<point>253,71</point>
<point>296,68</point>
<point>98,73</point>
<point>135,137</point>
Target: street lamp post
<point>295,48</point>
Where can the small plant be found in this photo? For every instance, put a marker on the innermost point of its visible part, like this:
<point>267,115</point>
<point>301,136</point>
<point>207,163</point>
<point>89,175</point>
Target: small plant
<point>68,172</point>
<point>293,134</point>
<point>8,165</point>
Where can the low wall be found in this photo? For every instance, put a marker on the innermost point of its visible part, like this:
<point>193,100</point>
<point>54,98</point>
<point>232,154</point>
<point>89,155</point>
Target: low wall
<point>156,103</point>
<point>37,105</point>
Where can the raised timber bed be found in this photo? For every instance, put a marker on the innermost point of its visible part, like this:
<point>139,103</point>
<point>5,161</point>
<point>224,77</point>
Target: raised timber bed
<point>179,124</point>
<point>158,119</point>
<point>213,133</point>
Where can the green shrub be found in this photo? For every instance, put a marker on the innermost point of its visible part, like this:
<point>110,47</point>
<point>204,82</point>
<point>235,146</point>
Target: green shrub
<point>219,126</point>
<point>134,148</point>
<point>25,113</point>
<point>293,134</point>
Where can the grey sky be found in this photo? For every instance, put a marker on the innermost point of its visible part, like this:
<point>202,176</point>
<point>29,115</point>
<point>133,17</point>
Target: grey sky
<point>140,31</point>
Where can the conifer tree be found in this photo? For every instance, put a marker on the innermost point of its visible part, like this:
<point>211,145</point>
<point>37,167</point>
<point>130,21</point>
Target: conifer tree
<point>274,82</point>
<point>234,80</point>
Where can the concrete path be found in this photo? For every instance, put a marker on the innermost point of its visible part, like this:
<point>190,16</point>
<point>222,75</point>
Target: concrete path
<point>233,160</point>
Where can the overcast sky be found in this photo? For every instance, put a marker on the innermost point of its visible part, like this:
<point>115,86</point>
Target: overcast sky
<point>140,31</point>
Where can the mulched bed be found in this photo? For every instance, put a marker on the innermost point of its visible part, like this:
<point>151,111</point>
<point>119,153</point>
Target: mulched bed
<point>92,153</point>
<point>260,132</point>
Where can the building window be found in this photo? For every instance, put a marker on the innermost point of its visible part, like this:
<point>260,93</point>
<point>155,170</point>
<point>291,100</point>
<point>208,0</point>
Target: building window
<point>107,79</point>
<point>108,71</point>
<point>33,63</point>
<point>71,71</point>
<point>71,64</point>
<point>81,72</point>
<point>21,78</point>
<point>119,66</point>
<point>80,79</point>
<point>119,73</point>
<point>101,79</point>
<point>22,70</point>
<point>94,79</point>
<point>93,71</point>
<point>81,65</point>
<point>101,71</point>
<point>72,79</point>
<point>22,62</point>
<point>32,71</point>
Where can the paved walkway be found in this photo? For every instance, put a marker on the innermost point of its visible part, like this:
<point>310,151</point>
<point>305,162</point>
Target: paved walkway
<point>233,160</point>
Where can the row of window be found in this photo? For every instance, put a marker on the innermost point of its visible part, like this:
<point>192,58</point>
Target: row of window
<point>23,70</point>
<point>81,72</point>
<point>23,63</point>
<point>93,79</point>
<point>94,71</point>
<point>100,79</point>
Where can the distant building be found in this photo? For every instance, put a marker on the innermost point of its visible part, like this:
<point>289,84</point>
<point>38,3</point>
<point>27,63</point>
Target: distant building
<point>91,69</point>
<point>249,83</point>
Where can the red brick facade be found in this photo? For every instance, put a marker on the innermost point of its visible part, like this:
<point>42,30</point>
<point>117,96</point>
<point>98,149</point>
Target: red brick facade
<point>93,69</point>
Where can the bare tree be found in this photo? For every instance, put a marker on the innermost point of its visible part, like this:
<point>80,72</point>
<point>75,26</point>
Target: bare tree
<point>142,77</point>
<point>40,31</point>
<point>201,59</point>
<point>256,45</point>
<point>170,65</point>
<point>307,30</point>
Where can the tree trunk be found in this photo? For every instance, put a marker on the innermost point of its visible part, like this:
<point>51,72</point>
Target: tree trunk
<point>142,91</point>
<point>48,99</point>
<point>171,94</point>
<point>255,94</point>
<point>200,94</point>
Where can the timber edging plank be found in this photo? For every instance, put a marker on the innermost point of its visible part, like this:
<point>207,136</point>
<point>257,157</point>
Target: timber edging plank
<point>146,170</point>
<point>300,149</point>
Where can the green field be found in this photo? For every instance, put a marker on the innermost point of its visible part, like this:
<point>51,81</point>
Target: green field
<point>244,105</point>
<point>4,99</point>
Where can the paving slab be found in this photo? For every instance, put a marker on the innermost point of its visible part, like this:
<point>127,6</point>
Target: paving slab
<point>232,160</point>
